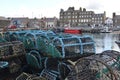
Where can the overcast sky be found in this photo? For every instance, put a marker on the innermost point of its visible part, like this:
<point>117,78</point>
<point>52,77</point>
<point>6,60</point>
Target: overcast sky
<point>51,8</point>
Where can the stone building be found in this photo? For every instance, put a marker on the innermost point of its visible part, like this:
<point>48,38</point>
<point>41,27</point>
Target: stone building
<point>4,22</point>
<point>43,23</point>
<point>50,22</point>
<point>35,23</point>
<point>20,21</point>
<point>116,20</point>
<point>109,22</point>
<point>98,19</point>
<point>80,17</point>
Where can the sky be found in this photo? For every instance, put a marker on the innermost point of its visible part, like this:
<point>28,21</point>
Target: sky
<point>51,8</point>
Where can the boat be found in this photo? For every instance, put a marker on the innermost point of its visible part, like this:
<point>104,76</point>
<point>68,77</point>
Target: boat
<point>72,31</point>
<point>118,43</point>
<point>106,30</point>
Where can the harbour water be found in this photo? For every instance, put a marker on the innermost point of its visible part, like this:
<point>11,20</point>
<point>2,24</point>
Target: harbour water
<point>105,41</point>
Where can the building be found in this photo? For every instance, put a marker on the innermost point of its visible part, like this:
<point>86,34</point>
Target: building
<point>98,19</point>
<point>109,22</point>
<point>79,17</point>
<point>4,22</point>
<point>43,23</point>
<point>116,20</point>
<point>35,23</point>
<point>19,21</point>
<point>50,22</point>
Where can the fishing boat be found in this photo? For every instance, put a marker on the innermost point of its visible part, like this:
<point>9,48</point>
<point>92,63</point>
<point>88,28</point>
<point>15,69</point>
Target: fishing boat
<point>118,43</point>
<point>72,31</point>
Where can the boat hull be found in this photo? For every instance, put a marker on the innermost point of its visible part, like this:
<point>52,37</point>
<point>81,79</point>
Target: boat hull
<point>72,31</point>
<point>118,43</point>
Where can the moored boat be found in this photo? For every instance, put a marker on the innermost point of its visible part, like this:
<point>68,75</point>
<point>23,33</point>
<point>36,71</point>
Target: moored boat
<point>118,43</point>
<point>73,31</point>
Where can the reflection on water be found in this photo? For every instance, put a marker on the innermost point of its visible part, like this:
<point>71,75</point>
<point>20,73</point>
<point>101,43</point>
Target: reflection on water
<point>105,41</point>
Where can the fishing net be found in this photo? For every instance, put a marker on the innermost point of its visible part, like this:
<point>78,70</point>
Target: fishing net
<point>26,76</point>
<point>104,66</point>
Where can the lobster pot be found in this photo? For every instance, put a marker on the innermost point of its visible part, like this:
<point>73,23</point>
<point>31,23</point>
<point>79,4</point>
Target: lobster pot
<point>88,48</point>
<point>73,46</point>
<point>12,52</point>
<point>82,71</point>
<point>11,48</point>
<point>5,49</point>
<point>88,45</point>
<point>48,75</point>
<point>17,47</point>
<point>72,50</point>
<point>114,61</point>
<point>104,66</point>
<point>72,74</point>
<point>26,76</point>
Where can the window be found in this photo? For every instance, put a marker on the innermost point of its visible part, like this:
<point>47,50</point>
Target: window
<point>73,21</point>
<point>61,17</point>
<point>81,20</point>
<point>86,20</point>
<point>61,13</point>
<point>69,20</point>
<point>69,13</point>
<point>68,16</point>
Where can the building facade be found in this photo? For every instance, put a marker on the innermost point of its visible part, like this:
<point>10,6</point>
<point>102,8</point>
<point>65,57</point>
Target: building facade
<point>19,22</point>
<point>43,23</point>
<point>116,20</point>
<point>35,23</point>
<point>4,22</point>
<point>51,22</point>
<point>80,17</point>
<point>109,22</point>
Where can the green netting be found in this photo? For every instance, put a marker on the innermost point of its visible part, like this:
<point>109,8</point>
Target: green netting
<point>53,50</point>
<point>28,43</point>
<point>47,48</point>
<point>41,45</point>
<point>2,40</point>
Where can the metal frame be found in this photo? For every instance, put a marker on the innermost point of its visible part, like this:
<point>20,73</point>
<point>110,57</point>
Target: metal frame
<point>80,43</point>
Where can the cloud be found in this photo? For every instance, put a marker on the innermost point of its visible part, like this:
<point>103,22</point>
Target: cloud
<point>52,8</point>
<point>94,6</point>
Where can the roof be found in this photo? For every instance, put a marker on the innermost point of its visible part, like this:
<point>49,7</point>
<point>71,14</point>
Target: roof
<point>23,19</point>
<point>50,19</point>
<point>3,18</point>
<point>4,23</point>
<point>20,18</point>
<point>117,16</point>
